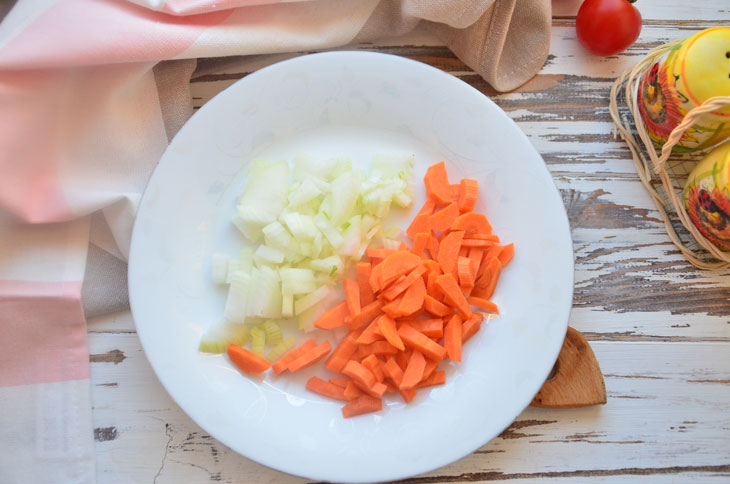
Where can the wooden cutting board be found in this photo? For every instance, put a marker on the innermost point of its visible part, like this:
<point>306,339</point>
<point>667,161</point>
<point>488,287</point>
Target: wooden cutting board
<point>576,379</point>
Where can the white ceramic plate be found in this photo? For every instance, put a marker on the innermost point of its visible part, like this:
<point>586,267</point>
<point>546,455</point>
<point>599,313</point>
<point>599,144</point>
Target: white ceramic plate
<point>350,104</point>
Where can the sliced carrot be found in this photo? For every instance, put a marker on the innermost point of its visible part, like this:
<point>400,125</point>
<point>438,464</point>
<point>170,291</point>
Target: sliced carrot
<point>361,376</point>
<point>377,390</point>
<point>282,363</point>
<point>479,242</point>
<point>402,358</point>
<point>334,318</point>
<point>371,334</point>
<point>340,382</point>
<point>421,224</point>
<point>380,347</point>
<point>486,282</point>
<point>454,192</point>
<point>468,192</point>
<point>403,246</point>
<point>432,266</point>
<point>433,247</point>
<point>420,243</point>
<point>437,183</point>
<point>391,309</point>
<point>485,304</point>
<point>413,297</point>
<point>435,307</point>
<point>390,388</point>
<point>389,330</point>
<point>402,284</point>
<point>352,391</point>
<point>342,354</point>
<point>433,328</point>
<point>362,405</point>
<point>247,361</point>
<point>453,295</point>
<point>408,395</point>
<point>452,337</point>
<point>432,289</point>
<point>507,253</point>
<point>466,273</point>
<point>325,388</point>
<point>491,237</point>
<point>475,255</point>
<point>393,371</point>
<point>429,368</point>
<point>397,264</point>
<point>436,378</point>
<point>449,251</point>
<point>463,251</point>
<point>420,342</point>
<point>310,357</point>
<point>366,315</point>
<point>428,207</point>
<point>414,371</point>
<point>379,252</point>
<point>472,223</point>
<point>376,278</point>
<point>363,281</point>
<point>470,327</point>
<point>443,219</point>
<point>375,365</point>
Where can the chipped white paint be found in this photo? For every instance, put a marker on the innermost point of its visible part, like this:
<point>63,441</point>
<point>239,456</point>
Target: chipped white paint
<point>660,328</point>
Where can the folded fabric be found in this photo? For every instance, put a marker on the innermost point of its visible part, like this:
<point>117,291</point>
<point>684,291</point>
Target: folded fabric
<point>91,92</point>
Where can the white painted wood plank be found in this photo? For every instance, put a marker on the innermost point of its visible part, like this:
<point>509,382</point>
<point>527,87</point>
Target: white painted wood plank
<point>666,407</point>
<point>671,10</point>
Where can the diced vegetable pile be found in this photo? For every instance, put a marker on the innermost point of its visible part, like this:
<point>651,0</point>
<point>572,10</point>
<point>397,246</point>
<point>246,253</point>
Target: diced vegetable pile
<point>407,309</point>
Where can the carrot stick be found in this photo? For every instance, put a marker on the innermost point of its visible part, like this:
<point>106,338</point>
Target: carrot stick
<point>310,357</point>
<point>449,251</point>
<point>466,274</point>
<point>437,183</point>
<point>508,251</point>
<point>414,371</point>
<point>402,358</point>
<point>420,342</point>
<point>375,365</point>
<point>420,243</point>
<point>397,264</point>
<point>433,328</point>
<point>479,242</point>
<point>453,295</point>
<point>402,284</point>
<point>283,362</point>
<point>391,309</point>
<point>408,395</point>
<point>491,237</point>
<point>433,246</point>
<point>443,219</point>
<point>344,351</point>
<point>334,318</point>
<point>361,376</point>
<point>428,207</point>
<point>376,278</point>
<point>393,371</point>
<point>352,391</point>
<point>389,330</point>
<point>366,315</point>
<point>484,304</point>
<point>363,281</point>
<point>340,382</point>
<point>429,368</point>
<point>380,347</point>
<point>472,223</point>
<point>421,223</point>
<point>413,297</point>
<point>470,327</point>
<point>435,307</point>
<point>352,296</point>
<point>454,192</point>
<point>247,361</point>
<point>325,388</point>
<point>371,334</point>
<point>486,283</point>
<point>436,378</point>
<point>468,192</point>
<point>452,337</point>
<point>362,405</point>
<point>463,251</point>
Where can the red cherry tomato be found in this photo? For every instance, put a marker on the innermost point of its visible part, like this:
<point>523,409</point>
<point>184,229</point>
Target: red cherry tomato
<point>607,27</point>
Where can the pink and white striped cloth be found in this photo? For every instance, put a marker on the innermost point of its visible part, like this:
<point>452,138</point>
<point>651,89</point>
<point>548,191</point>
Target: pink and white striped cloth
<point>87,108</point>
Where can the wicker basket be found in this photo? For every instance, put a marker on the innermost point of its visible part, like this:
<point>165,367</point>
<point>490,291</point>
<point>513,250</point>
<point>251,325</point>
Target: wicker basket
<point>664,174</point>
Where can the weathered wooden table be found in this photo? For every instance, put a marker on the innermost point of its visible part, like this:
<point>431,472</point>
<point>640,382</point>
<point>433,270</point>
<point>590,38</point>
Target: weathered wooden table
<point>660,328</point>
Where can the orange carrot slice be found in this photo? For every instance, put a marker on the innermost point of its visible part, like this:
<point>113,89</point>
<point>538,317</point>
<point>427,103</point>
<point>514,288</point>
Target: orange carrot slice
<point>453,295</point>
<point>466,273</point>
<point>420,342</point>
<point>484,304</point>
<point>366,315</point>
<point>468,192</point>
<point>388,329</point>
<point>402,284</point>
<point>363,281</point>
<point>436,378</point>
<point>380,347</point>
<point>375,365</point>
<point>448,252</point>
<point>472,223</point>
<point>433,328</point>
<point>428,207</point>
<point>437,183</point>
<point>479,242</point>
<point>414,371</point>
<point>421,223</point>
<point>340,382</point>
<point>334,318</point>
<point>393,371</point>
<point>413,298</point>
<point>310,357</point>
<point>352,391</point>
<point>420,242</point>
<point>397,264</point>
<point>352,296</point>
<point>344,351</point>
<point>486,282</point>
<point>470,327</point>
<point>452,337</point>
<point>360,375</point>
<point>443,219</point>
<point>376,278</point>
<point>246,360</point>
<point>371,334</point>
<point>325,388</point>
<point>433,247</point>
<point>508,251</point>
<point>362,405</point>
<point>435,307</point>
<point>282,363</point>
<point>408,395</point>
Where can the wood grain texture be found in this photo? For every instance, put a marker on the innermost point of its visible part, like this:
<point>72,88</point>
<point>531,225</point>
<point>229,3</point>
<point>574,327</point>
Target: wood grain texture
<point>659,328</point>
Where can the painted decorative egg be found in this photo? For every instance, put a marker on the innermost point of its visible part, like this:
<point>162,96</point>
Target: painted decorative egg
<point>707,196</point>
<point>690,73</point>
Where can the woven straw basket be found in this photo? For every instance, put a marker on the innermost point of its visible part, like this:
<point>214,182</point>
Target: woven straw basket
<point>664,173</point>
